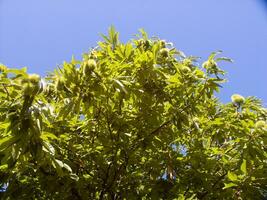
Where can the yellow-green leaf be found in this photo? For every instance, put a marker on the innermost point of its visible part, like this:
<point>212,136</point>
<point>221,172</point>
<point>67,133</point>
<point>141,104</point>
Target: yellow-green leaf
<point>232,176</point>
<point>229,185</point>
<point>244,167</point>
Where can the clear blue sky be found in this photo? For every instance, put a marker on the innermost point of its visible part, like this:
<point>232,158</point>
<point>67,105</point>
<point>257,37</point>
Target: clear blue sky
<point>42,34</point>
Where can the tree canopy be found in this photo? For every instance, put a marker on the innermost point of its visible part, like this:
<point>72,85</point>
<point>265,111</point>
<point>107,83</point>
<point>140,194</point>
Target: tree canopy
<point>135,120</point>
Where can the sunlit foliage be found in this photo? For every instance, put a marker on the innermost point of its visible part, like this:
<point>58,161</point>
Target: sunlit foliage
<point>135,120</point>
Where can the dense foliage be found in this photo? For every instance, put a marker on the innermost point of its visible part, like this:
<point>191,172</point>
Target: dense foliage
<point>130,121</point>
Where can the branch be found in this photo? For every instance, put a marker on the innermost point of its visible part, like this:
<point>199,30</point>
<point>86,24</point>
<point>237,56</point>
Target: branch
<point>154,132</point>
<point>214,184</point>
<point>6,91</point>
<point>105,182</point>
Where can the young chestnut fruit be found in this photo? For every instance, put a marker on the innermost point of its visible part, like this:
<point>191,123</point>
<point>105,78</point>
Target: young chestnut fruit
<point>164,52</point>
<point>210,64</point>
<point>34,78</point>
<point>89,66</point>
<point>237,99</point>
<point>31,84</point>
<point>30,89</point>
<point>93,55</point>
<point>144,44</point>
<point>60,83</point>
<point>163,43</point>
<point>3,68</point>
<point>147,44</point>
<point>185,69</point>
<point>187,62</point>
<point>260,124</point>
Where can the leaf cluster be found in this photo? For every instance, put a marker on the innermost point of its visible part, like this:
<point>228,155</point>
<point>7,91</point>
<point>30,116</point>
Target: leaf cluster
<point>135,120</point>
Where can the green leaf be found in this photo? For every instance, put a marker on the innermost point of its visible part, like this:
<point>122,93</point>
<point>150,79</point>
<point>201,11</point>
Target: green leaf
<point>47,147</point>
<point>58,165</point>
<point>224,59</point>
<point>136,126</point>
<point>143,33</point>
<point>18,71</point>
<point>128,134</point>
<point>229,185</point>
<point>232,176</point>
<point>74,177</point>
<point>213,54</point>
<point>174,79</point>
<point>7,142</point>
<point>243,167</point>
<point>3,167</point>
<point>5,139</point>
<point>121,86</point>
<point>46,135</point>
<point>157,138</point>
<point>67,167</point>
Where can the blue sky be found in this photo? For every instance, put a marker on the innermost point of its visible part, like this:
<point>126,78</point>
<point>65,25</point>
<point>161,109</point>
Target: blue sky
<point>42,34</point>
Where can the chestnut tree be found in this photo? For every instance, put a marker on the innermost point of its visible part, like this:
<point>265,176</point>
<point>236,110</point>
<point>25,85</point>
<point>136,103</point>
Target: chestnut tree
<point>135,120</point>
